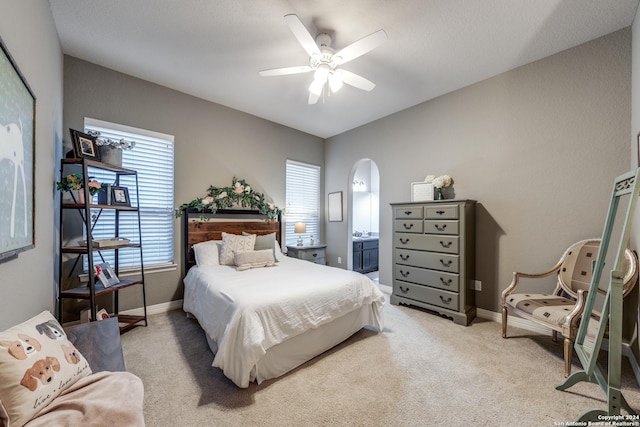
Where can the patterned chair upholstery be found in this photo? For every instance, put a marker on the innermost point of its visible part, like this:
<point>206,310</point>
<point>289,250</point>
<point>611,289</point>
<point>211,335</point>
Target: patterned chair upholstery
<point>562,310</point>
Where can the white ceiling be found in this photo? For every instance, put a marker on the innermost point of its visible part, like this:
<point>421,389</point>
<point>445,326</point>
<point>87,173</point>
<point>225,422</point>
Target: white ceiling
<point>213,49</point>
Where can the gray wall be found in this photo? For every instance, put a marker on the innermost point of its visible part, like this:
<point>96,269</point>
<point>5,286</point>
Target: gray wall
<point>28,31</point>
<point>212,144</point>
<point>538,147</point>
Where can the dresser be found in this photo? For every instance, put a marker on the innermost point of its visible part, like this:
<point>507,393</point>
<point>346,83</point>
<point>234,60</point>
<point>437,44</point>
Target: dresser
<point>315,253</point>
<point>434,257</point>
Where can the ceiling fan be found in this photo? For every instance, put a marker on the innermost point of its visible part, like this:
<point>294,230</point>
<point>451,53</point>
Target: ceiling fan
<point>326,62</point>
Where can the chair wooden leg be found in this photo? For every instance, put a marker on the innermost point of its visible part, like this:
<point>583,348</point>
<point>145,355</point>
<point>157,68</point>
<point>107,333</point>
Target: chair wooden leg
<point>568,355</point>
<point>504,322</point>
<point>554,336</point>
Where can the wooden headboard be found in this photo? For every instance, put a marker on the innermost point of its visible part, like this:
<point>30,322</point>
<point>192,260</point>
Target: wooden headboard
<point>232,221</point>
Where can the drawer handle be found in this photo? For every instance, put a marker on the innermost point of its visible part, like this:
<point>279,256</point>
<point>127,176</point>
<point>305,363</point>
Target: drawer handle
<point>408,212</point>
<point>441,228</point>
<point>404,257</point>
<point>446,264</point>
<point>404,241</point>
<point>404,273</point>
<point>448,245</point>
<point>445,282</point>
<point>407,226</point>
<point>446,301</point>
<point>404,290</point>
<point>314,254</point>
<point>440,212</point>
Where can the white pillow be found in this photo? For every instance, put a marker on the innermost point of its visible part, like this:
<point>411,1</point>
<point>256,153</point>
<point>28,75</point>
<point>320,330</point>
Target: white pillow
<point>278,251</point>
<point>232,243</point>
<point>253,259</point>
<point>207,253</point>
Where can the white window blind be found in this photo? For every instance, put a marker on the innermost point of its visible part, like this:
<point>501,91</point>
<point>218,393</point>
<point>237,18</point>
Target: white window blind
<point>303,200</point>
<point>152,158</point>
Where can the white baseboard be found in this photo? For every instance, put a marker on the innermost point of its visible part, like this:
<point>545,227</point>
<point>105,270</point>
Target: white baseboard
<point>155,309</point>
<point>525,324</point>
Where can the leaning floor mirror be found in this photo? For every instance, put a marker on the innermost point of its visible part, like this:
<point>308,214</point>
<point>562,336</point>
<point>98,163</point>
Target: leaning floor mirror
<point>603,308</point>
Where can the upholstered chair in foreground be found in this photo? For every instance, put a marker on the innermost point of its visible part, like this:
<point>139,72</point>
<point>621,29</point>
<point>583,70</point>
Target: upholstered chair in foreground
<point>562,310</point>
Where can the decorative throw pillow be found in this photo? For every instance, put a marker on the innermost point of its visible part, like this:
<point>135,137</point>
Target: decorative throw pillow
<point>254,259</point>
<point>37,363</point>
<point>235,243</point>
<point>207,253</point>
<point>264,241</point>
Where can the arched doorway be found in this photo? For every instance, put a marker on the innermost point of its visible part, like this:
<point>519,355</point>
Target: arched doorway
<point>364,216</point>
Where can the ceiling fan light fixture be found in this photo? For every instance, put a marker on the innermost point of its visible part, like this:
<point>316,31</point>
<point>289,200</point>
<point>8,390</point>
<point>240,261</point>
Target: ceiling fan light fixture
<point>322,74</point>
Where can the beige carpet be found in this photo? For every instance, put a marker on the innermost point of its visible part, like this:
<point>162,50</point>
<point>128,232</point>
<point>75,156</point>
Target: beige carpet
<point>423,370</point>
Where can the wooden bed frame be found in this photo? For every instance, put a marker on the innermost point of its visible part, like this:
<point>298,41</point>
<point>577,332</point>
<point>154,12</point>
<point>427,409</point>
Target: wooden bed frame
<point>233,221</point>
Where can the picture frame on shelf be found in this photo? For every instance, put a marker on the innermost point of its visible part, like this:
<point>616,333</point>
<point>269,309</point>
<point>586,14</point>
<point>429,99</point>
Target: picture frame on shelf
<point>106,274</point>
<point>120,196</point>
<point>17,152</point>
<point>84,145</point>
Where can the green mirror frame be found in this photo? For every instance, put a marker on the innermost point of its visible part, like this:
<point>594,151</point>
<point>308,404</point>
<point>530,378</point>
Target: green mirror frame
<point>615,238</point>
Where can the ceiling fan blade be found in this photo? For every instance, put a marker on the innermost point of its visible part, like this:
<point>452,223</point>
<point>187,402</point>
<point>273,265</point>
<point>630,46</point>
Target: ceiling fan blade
<point>360,47</point>
<point>313,98</point>
<point>302,34</point>
<point>356,81</point>
<point>285,71</point>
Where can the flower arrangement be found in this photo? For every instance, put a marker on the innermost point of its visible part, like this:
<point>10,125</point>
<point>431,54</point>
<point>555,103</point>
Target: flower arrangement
<point>239,194</point>
<point>101,141</point>
<point>75,181</point>
<point>439,182</point>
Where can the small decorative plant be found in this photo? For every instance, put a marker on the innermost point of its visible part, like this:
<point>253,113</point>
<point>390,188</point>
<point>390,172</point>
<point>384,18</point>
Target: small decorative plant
<point>103,141</point>
<point>239,194</point>
<point>75,181</point>
<point>439,182</point>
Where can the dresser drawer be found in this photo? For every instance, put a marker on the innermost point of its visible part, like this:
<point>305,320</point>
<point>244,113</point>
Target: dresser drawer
<point>435,261</point>
<point>426,294</point>
<point>321,261</point>
<point>428,242</point>
<point>311,255</point>
<point>441,227</point>
<point>441,212</point>
<point>422,276</point>
<point>409,212</point>
<point>409,225</point>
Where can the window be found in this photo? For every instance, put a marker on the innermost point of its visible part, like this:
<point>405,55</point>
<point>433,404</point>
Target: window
<point>303,200</point>
<point>152,158</point>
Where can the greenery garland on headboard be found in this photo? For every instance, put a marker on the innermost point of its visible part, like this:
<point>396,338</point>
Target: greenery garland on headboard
<point>239,194</point>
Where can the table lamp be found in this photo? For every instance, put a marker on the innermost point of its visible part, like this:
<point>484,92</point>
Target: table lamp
<point>300,228</point>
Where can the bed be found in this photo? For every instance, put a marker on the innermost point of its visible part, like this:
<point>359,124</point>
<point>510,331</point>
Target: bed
<point>263,322</point>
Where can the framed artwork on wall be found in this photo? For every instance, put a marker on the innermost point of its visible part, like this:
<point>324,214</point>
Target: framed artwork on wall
<point>638,150</point>
<point>17,157</point>
<point>335,206</point>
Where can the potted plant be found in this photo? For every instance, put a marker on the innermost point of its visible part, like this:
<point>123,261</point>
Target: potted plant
<point>73,183</point>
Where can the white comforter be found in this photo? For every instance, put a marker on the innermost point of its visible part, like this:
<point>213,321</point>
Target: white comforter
<point>247,312</point>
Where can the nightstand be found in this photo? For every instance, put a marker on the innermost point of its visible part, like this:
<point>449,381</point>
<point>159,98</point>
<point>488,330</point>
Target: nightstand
<point>315,253</point>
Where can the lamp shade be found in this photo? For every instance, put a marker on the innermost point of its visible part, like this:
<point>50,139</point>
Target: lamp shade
<point>300,227</point>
